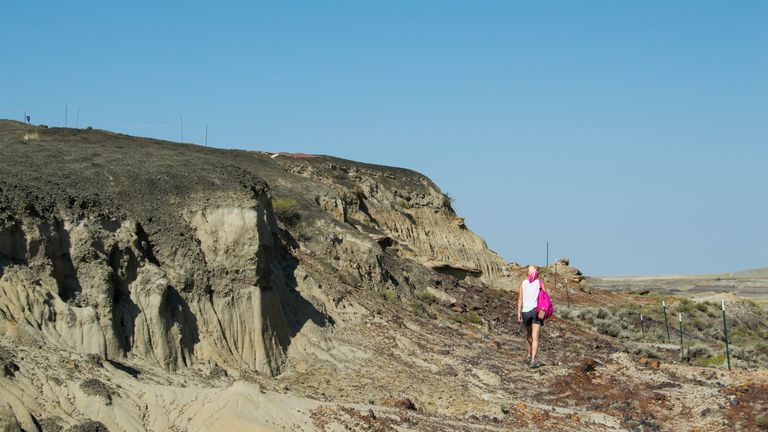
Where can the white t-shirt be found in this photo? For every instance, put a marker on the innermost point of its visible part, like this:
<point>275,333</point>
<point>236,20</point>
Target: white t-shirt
<point>530,295</point>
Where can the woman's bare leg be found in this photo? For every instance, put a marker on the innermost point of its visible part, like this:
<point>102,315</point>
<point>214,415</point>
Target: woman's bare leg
<point>534,344</point>
<point>528,339</point>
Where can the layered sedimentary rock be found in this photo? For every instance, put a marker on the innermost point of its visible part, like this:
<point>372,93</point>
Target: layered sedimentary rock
<point>172,254</point>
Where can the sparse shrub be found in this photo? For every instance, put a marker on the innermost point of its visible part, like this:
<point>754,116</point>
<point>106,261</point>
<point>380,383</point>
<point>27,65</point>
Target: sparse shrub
<point>285,210</point>
<point>388,295</point>
<point>405,204</point>
<point>698,352</point>
<point>95,387</point>
<point>93,360</point>
<point>602,314</point>
<point>51,424</point>
<point>713,332</point>
<point>88,426</point>
<point>762,422</point>
<point>685,306</point>
<point>647,352</point>
<point>565,313</point>
<point>474,317</point>
<point>217,372</point>
<point>422,311</point>
<point>426,296</point>
<point>700,324</point>
<point>713,312</point>
<point>702,307</point>
<point>717,360</point>
<point>746,354</point>
<point>608,328</point>
<point>587,315</point>
<point>762,349</point>
<point>458,318</point>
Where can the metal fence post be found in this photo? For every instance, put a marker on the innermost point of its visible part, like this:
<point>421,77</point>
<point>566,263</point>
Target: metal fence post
<point>642,327</point>
<point>725,331</point>
<point>567,296</point>
<point>666,323</point>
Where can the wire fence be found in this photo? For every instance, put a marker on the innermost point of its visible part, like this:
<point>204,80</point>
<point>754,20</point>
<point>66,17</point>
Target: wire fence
<point>660,324</point>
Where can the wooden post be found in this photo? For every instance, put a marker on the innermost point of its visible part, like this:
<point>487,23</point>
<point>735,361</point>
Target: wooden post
<point>666,323</point>
<point>725,331</point>
<point>680,320</point>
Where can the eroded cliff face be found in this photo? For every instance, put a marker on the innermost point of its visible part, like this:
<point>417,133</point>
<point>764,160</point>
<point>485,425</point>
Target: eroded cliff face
<point>401,211</point>
<point>95,285</point>
<point>172,254</point>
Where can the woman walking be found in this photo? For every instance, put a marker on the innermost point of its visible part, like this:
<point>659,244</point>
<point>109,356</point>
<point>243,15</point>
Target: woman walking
<point>527,313</point>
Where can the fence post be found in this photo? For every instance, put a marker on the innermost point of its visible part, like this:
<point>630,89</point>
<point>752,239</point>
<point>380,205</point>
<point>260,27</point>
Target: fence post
<point>680,319</point>
<point>666,323</point>
<point>555,274</point>
<point>642,327</point>
<point>725,330</point>
<point>567,296</point>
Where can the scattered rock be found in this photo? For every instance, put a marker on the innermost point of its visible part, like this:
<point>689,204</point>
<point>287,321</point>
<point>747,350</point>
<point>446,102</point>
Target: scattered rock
<point>385,242</point>
<point>94,360</point>
<point>588,365</point>
<point>8,365</point>
<point>9,369</point>
<point>442,297</point>
<point>404,404</point>
<point>217,372</point>
<point>655,364</point>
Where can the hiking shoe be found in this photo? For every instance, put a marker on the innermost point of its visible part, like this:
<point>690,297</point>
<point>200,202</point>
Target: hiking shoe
<point>535,364</point>
<point>528,361</point>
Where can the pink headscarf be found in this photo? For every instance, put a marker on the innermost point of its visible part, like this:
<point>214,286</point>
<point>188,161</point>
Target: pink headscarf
<point>533,276</point>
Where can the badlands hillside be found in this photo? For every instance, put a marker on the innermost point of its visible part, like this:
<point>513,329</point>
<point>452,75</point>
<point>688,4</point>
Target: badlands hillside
<point>153,286</point>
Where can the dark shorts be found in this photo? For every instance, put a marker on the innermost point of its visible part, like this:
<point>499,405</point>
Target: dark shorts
<point>532,317</point>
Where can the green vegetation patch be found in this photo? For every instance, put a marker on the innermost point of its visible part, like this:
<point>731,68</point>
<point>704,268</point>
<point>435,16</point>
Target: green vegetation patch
<point>285,210</point>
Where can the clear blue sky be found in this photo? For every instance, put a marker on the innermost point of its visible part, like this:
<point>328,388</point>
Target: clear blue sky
<point>631,135</point>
